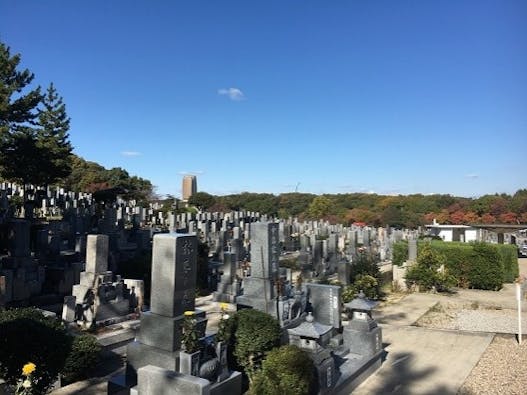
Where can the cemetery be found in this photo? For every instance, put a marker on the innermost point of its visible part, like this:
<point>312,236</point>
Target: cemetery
<point>311,280</point>
<point>106,287</point>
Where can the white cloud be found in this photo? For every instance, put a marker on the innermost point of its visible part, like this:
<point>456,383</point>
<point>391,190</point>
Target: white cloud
<point>233,93</point>
<point>473,176</point>
<point>131,153</point>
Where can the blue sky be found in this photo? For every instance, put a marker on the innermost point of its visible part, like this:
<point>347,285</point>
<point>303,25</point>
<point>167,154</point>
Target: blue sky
<point>393,97</point>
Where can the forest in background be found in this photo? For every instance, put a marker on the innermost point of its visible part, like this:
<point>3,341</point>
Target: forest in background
<point>402,211</point>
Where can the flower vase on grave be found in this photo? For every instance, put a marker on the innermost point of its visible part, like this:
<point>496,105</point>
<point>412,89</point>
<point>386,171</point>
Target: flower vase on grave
<point>221,353</point>
<point>189,363</point>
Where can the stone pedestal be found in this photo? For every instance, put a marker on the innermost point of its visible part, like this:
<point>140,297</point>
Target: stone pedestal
<point>363,340</point>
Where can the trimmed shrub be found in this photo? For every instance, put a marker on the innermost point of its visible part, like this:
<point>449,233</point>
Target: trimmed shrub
<point>509,257</point>
<point>486,269</point>
<point>365,264</point>
<point>458,260</point>
<point>430,270</point>
<point>285,370</point>
<point>400,252</point>
<point>256,333</point>
<point>82,359</point>
<point>368,284</point>
<point>27,336</point>
<point>464,262</point>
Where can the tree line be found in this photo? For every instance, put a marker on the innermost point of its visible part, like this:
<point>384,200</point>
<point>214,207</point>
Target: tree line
<point>402,211</point>
<point>34,139</point>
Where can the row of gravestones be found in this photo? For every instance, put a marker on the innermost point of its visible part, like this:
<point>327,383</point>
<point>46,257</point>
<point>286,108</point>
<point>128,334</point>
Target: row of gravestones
<point>156,363</point>
<point>219,230</point>
<point>41,262</point>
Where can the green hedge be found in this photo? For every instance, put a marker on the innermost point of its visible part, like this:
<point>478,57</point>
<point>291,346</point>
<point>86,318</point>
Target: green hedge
<point>458,259</point>
<point>471,264</point>
<point>486,269</point>
<point>509,256</point>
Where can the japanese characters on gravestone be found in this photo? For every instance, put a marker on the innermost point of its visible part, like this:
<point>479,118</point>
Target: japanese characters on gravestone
<point>258,289</point>
<point>173,287</point>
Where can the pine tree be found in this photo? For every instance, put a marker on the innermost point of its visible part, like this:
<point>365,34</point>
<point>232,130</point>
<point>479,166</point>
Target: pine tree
<point>16,110</point>
<point>52,139</point>
<point>17,115</point>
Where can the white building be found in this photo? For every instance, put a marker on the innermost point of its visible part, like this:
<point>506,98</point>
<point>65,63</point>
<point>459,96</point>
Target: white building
<point>463,233</point>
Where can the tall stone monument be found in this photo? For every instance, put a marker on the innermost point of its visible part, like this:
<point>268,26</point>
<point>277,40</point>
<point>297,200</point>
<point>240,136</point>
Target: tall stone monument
<point>259,289</point>
<point>173,286</point>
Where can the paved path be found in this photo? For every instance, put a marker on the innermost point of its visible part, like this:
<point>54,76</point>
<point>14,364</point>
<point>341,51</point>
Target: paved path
<point>430,361</point>
<point>425,361</point>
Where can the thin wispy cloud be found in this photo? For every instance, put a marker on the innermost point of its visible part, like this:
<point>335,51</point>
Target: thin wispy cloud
<point>131,153</point>
<point>234,94</point>
<point>473,176</point>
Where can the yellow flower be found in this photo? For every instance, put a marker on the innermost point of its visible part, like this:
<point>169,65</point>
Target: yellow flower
<point>28,368</point>
<point>188,313</point>
<point>224,306</point>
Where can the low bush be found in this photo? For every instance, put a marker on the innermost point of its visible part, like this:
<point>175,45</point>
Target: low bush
<point>430,271</point>
<point>285,370</point>
<point>82,359</point>
<point>255,334</point>
<point>27,336</point>
<point>363,282</point>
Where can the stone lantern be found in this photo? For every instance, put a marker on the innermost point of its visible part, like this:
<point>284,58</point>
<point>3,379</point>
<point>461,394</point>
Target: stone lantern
<point>362,335</point>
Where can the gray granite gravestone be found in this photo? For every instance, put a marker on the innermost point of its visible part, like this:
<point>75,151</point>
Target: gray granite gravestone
<point>258,289</point>
<point>325,300</point>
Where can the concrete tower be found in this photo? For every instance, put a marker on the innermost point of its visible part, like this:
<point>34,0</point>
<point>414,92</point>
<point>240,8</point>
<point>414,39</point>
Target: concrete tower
<point>190,187</point>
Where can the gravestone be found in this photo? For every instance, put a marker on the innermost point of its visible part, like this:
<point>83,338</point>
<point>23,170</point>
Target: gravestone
<point>226,290</point>
<point>325,300</point>
<point>173,285</point>
<point>258,289</point>
<point>97,296</point>
<point>412,250</point>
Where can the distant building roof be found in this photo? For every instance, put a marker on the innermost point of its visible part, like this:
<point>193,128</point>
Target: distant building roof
<point>448,226</point>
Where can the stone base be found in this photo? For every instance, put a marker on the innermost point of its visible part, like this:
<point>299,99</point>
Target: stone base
<point>243,301</point>
<point>363,343</point>
<point>355,370</point>
<point>160,332</point>
<point>117,385</point>
<point>156,380</point>
<point>223,297</point>
<point>139,355</point>
<point>399,280</point>
<point>231,385</point>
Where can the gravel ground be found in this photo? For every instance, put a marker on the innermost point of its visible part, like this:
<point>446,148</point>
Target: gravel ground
<point>501,370</point>
<point>502,367</point>
<point>473,317</point>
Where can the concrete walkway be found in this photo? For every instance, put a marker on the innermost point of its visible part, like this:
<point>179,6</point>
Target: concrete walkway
<point>430,361</point>
<point>425,361</point>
